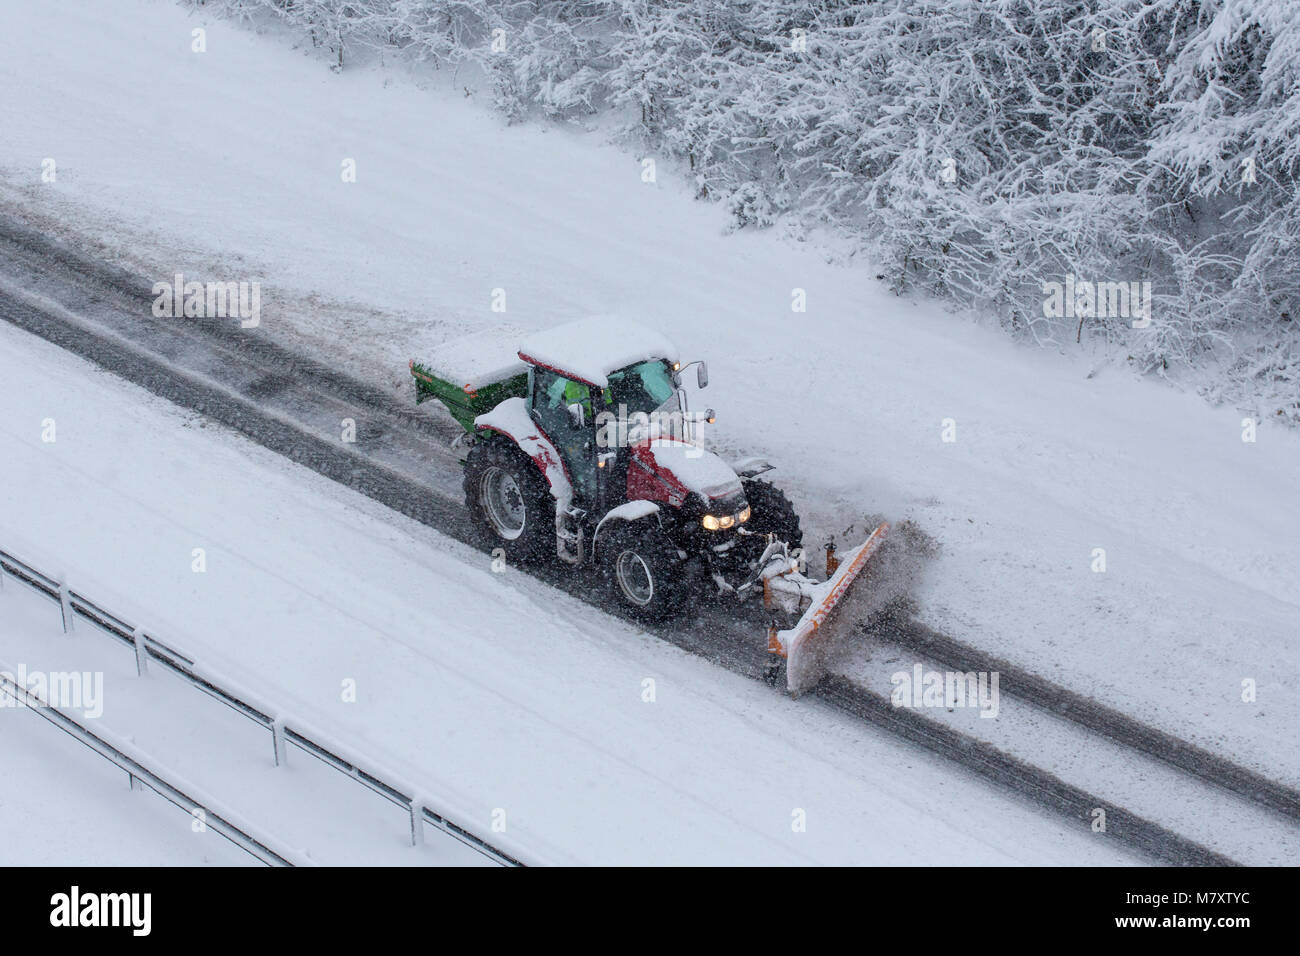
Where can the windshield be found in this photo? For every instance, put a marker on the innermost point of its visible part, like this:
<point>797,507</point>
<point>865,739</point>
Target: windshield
<point>647,387</point>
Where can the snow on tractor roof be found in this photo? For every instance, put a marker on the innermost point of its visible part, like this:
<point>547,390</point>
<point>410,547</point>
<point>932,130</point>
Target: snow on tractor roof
<point>589,349</point>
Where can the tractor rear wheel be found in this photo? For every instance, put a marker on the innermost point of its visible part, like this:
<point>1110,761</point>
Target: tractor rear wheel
<point>643,571</point>
<point>509,502</point>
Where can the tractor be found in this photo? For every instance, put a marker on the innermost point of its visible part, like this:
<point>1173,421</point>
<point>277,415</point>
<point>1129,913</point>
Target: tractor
<point>579,447</point>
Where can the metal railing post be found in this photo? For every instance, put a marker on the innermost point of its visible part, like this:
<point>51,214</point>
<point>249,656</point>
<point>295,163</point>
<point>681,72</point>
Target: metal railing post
<point>278,742</point>
<point>417,822</point>
<point>141,653</point>
<point>65,605</point>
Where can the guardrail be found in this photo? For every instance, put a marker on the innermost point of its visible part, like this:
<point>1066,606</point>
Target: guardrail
<point>139,773</point>
<point>284,730</point>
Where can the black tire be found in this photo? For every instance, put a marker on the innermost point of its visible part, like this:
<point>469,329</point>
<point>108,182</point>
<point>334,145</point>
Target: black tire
<point>643,571</point>
<point>770,512</point>
<point>509,501</point>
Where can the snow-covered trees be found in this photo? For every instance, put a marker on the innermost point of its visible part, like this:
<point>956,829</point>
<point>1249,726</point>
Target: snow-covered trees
<point>1222,177</point>
<point>977,148</point>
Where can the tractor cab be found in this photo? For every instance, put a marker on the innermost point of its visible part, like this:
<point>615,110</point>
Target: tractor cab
<point>597,389</point>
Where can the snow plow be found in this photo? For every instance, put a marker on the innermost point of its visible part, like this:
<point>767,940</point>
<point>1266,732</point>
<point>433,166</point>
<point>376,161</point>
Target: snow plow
<point>578,447</point>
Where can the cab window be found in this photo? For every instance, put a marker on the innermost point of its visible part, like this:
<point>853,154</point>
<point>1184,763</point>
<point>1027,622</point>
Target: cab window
<point>644,387</point>
<point>552,396</point>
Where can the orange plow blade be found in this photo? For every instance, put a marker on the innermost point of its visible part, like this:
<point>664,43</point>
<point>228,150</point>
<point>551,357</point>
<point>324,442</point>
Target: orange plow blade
<point>805,645</point>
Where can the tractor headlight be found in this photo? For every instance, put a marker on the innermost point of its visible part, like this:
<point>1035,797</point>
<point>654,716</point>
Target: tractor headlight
<point>714,522</point>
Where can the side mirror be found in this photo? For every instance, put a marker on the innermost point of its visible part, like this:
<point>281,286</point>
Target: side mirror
<point>577,418</point>
<point>702,375</point>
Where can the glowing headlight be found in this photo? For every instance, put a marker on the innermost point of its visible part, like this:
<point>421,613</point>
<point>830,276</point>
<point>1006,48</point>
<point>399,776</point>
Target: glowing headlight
<point>714,522</point>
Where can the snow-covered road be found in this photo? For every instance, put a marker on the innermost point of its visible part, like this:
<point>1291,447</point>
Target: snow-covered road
<point>1111,534</point>
<point>491,688</point>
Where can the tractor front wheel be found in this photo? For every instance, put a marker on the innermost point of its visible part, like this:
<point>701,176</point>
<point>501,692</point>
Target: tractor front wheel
<point>642,570</point>
<point>770,513</point>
